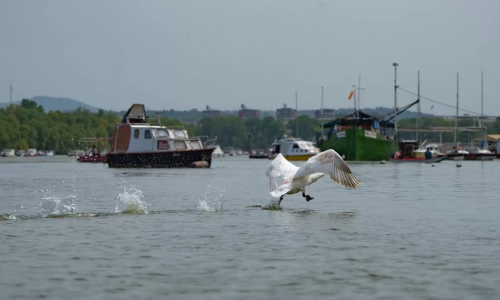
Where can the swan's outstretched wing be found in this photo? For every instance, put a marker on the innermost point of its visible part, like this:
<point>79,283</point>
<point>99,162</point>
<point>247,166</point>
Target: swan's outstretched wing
<point>284,188</point>
<point>272,184</point>
<point>281,167</point>
<point>331,163</point>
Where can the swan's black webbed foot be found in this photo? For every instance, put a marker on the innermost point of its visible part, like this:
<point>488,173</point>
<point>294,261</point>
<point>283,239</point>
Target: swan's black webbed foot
<point>308,198</point>
<point>281,198</point>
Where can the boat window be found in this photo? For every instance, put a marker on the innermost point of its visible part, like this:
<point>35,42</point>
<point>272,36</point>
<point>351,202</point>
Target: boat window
<point>180,145</point>
<point>163,145</point>
<point>309,145</point>
<point>295,146</point>
<point>136,133</point>
<point>162,133</point>
<point>195,145</point>
<point>147,134</point>
<point>179,133</point>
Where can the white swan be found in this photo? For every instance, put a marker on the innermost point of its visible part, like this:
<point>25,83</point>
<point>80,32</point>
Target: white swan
<point>296,179</point>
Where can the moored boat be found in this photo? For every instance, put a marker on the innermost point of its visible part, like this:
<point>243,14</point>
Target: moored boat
<point>8,152</point>
<point>480,154</point>
<point>138,144</point>
<point>360,137</point>
<point>409,151</point>
<point>418,160</point>
<point>30,152</point>
<point>257,153</point>
<point>292,148</point>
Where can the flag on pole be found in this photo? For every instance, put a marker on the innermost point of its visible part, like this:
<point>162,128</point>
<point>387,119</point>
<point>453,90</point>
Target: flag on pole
<point>352,93</point>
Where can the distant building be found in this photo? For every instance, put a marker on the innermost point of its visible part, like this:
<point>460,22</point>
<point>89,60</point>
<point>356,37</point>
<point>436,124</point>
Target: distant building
<point>246,113</point>
<point>211,113</point>
<point>286,114</point>
<point>327,114</point>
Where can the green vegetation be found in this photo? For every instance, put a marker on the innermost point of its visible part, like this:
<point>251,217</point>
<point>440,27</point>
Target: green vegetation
<point>28,126</point>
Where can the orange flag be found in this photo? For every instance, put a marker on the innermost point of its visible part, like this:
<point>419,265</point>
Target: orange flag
<point>350,95</point>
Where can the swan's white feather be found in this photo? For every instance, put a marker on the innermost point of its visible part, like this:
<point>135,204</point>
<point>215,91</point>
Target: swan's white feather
<point>284,188</point>
<point>281,167</point>
<point>331,163</point>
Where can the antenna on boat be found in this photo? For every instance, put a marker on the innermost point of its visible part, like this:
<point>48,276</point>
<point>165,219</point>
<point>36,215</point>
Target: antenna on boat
<point>297,112</point>
<point>11,90</point>
<point>158,119</point>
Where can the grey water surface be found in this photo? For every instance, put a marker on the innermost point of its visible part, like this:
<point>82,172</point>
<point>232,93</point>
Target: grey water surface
<point>73,230</point>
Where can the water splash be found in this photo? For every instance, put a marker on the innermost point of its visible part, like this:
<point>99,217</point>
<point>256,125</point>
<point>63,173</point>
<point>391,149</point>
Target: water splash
<point>129,202</point>
<point>273,205</point>
<point>53,204</point>
<point>212,203</point>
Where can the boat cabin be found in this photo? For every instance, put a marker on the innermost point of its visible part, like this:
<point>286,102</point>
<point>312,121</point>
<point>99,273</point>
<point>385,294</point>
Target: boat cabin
<point>134,134</point>
<point>362,121</point>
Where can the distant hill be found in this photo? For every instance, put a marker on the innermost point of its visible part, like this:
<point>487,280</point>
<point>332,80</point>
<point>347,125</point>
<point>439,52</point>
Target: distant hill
<point>61,104</point>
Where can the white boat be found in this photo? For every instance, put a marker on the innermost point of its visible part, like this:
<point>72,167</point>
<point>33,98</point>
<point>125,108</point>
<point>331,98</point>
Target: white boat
<point>292,148</point>
<point>218,152</point>
<point>7,152</point>
<point>420,152</point>
<point>49,153</point>
<point>20,152</point>
<point>30,152</point>
<point>139,144</point>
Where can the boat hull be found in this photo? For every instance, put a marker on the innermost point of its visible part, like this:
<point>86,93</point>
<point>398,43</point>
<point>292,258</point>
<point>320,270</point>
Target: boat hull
<point>172,159</point>
<point>93,159</point>
<point>419,160</point>
<point>357,144</point>
<point>480,156</point>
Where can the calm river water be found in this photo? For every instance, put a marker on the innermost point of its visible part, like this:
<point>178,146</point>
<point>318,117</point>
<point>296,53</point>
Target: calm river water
<point>84,231</point>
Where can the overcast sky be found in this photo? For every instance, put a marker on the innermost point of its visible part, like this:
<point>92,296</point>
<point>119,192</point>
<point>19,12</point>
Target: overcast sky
<point>223,53</point>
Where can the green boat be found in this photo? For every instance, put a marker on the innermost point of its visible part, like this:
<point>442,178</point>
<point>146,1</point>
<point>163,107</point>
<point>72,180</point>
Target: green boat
<point>360,137</point>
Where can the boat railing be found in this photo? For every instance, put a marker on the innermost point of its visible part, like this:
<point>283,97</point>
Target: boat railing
<point>207,142</point>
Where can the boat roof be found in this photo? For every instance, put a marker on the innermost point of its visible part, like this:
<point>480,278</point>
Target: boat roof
<point>135,114</point>
<point>355,117</point>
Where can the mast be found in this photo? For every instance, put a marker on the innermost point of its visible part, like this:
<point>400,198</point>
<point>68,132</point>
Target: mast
<point>297,112</point>
<point>359,92</point>
<point>359,89</point>
<point>355,108</point>
<point>418,104</point>
<point>395,65</point>
<point>322,125</point>
<point>482,117</point>
<point>456,118</point>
